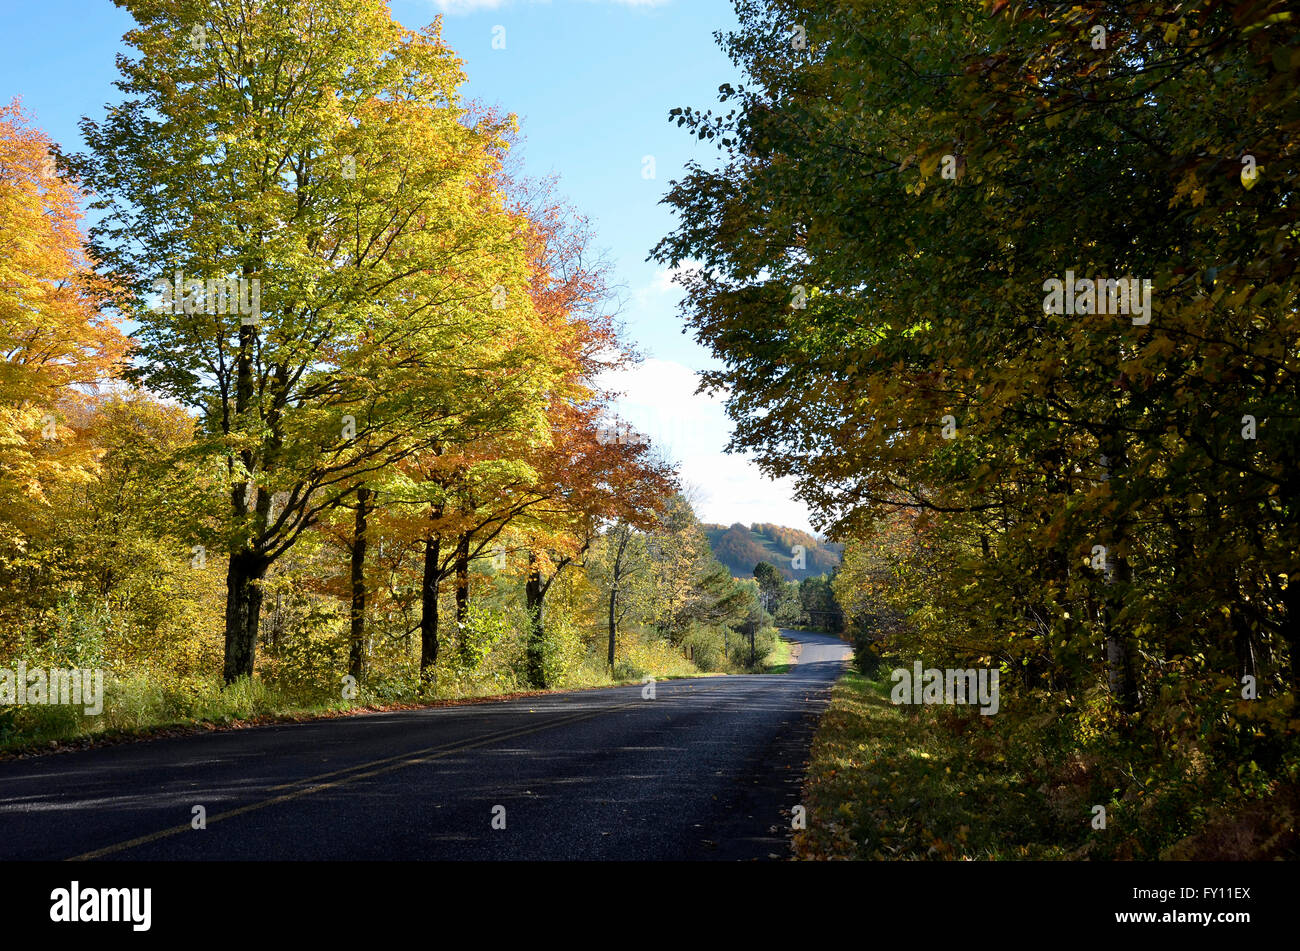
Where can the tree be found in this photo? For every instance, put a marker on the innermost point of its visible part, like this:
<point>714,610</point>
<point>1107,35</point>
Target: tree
<point>691,586</point>
<point>57,348</point>
<point>817,599</point>
<point>357,649</point>
<point>587,480</point>
<point>944,333</point>
<point>620,569</point>
<point>770,584</point>
<point>313,167</point>
<point>719,599</point>
<point>1040,431</point>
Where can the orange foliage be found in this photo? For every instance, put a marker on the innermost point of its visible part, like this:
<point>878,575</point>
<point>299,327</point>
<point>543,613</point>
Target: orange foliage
<point>57,347</point>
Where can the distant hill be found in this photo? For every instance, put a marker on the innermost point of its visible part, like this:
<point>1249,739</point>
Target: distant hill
<point>741,548</point>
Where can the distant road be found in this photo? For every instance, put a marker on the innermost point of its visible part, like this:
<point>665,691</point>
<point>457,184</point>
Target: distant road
<point>707,770</point>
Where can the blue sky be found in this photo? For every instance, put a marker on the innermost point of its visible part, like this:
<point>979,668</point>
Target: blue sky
<point>591,82</point>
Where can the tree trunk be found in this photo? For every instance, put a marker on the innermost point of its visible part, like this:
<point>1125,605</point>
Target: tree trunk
<point>613,626</point>
<point>1243,640</point>
<point>429,608</point>
<point>1120,672</point>
<point>1291,634</point>
<point>1121,675</point>
<point>247,568</point>
<point>535,595</point>
<point>243,609</point>
<point>462,595</point>
<point>357,650</point>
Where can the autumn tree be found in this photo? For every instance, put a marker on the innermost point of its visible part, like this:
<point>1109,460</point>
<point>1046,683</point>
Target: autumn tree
<point>619,569</point>
<point>57,347</point>
<point>133,539</point>
<point>690,585</point>
<point>911,262</point>
<point>318,258</point>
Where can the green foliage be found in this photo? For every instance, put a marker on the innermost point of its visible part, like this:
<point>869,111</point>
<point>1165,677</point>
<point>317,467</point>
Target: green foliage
<point>311,648</point>
<point>628,670</point>
<point>1102,503</point>
<point>373,380</point>
<point>479,633</point>
<point>866,651</point>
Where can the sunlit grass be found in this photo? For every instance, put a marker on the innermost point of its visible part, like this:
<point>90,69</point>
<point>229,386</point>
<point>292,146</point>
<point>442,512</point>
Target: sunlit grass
<point>893,782</point>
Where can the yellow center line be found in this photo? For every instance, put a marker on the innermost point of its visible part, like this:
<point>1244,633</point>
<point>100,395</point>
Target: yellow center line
<point>386,765</point>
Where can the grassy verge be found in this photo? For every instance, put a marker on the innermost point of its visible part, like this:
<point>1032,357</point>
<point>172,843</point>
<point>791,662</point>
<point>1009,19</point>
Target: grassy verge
<point>138,707</point>
<point>781,658</point>
<point>913,782</point>
<point>909,781</point>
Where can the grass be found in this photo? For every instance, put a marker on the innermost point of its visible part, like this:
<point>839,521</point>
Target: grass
<point>780,659</point>
<point>139,706</point>
<point>890,781</point>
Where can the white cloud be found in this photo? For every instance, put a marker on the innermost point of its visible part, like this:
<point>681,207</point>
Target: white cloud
<point>665,279</point>
<point>664,284</point>
<point>691,429</point>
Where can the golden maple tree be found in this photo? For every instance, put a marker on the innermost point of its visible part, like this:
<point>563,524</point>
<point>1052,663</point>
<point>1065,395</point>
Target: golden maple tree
<point>56,345</point>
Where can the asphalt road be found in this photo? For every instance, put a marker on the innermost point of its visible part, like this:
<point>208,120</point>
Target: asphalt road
<point>708,769</point>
